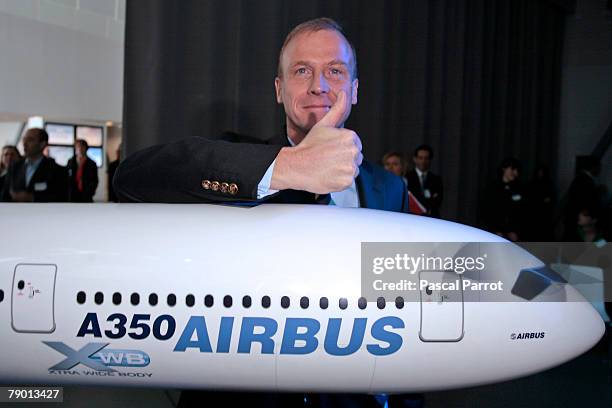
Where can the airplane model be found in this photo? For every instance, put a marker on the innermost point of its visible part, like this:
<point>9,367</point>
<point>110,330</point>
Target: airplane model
<point>264,298</point>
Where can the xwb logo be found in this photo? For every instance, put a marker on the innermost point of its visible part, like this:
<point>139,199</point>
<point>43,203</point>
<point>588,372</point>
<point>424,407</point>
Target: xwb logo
<point>98,357</point>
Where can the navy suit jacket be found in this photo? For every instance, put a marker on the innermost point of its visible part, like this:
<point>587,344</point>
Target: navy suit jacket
<point>176,172</point>
<point>49,183</point>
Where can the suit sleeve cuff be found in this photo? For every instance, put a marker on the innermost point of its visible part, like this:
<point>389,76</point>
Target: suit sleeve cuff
<point>263,188</point>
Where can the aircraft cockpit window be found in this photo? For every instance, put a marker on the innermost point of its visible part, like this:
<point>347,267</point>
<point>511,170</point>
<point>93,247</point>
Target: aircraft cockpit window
<point>99,298</point>
<point>171,299</point>
<point>285,302</point>
<point>246,301</point>
<point>135,299</point>
<point>116,298</point>
<point>380,302</point>
<point>209,300</point>
<point>323,303</point>
<point>399,302</point>
<point>227,301</point>
<point>153,299</point>
<point>265,302</point>
<point>81,297</point>
<point>190,300</point>
<point>343,303</point>
<point>362,303</point>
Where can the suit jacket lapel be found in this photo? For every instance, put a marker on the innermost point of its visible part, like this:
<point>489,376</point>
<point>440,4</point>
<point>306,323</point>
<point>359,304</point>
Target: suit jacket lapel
<point>20,176</point>
<point>370,193</point>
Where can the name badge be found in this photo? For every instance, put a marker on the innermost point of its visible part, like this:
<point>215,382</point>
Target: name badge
<point>427,193</point>
<point>42,186</point>
<point>516,197</point>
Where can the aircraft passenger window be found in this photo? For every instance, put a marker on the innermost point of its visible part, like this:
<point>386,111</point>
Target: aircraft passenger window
<point>246,301</point>
<point>343,303</point>
<point>209,300</point>
<point>362,303</point>
<point>227,301</point>
<point>153,299</point>
<point>1,295</point>
<point>324,303</point>
<point>265,301</point>
<point>81,297</point>
<point>304,302</point>
<point>399,302</point>
<point>285,302</point>
<point>135,299</point>
<point>99,298</point>
<point>380,302</point>
<point>171,299</point>
<point>116,298</point>
<point>190,300</point>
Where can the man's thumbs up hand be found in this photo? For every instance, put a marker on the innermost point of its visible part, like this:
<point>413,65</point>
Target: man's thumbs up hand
<point>328,158</point>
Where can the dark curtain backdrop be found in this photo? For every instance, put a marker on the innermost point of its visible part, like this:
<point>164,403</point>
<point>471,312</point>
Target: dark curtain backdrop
<point>478,80</point>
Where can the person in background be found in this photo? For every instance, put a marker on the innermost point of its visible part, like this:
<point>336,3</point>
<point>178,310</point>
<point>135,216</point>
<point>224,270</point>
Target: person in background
<point>10,155</point>
<point>395,163</point>
<point>424,184</point>
<point>588,226</point>
<point>37,178</point>
<point>584,192</point>
<point>83,174</point>
<point>504,202</point>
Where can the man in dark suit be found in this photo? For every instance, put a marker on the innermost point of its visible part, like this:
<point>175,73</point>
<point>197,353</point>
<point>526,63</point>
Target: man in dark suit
<point>317,85</point>
<point>83,174</point>
<point>315,161</point>
<point>36,178</point>
<point>423,184</point>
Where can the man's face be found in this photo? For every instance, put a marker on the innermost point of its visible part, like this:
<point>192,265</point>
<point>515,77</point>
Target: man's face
<point>80,150</point>
<point>510,174</point>
<point>422,161</point>
<point>32,145</point>
<point>394,165</point>
<point>315,67</point>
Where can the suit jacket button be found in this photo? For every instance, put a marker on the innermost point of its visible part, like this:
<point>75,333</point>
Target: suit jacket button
<point>206,184</point>
<point>233,189</point>
<point>224,187</point>
<point>215,186</point>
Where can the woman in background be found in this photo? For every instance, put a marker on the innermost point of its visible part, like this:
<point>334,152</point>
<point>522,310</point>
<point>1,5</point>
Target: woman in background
<point>10,154</point>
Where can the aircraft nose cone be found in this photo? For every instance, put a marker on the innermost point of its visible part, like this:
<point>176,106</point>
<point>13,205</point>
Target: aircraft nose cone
<point>580,324</point>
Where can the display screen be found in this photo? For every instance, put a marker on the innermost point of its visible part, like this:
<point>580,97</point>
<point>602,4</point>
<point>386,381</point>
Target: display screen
<point>61,154</point>
<point>92,135</point>
<point>60,134</point>
<point>95,154</point>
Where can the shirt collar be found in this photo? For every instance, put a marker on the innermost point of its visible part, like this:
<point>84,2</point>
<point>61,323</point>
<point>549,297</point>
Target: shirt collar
<point>420,173</point>
<point>33,163</point>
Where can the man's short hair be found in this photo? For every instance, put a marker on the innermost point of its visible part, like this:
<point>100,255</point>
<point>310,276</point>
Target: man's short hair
<point>312,26</point>
<point>42,134</point>
<point>425,147</point>
<point>82,142</point>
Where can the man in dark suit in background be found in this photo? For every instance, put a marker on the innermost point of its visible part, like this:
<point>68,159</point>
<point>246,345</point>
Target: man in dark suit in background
<point>36,178</point>
<point>83,174</point>
<point>423,184</point>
